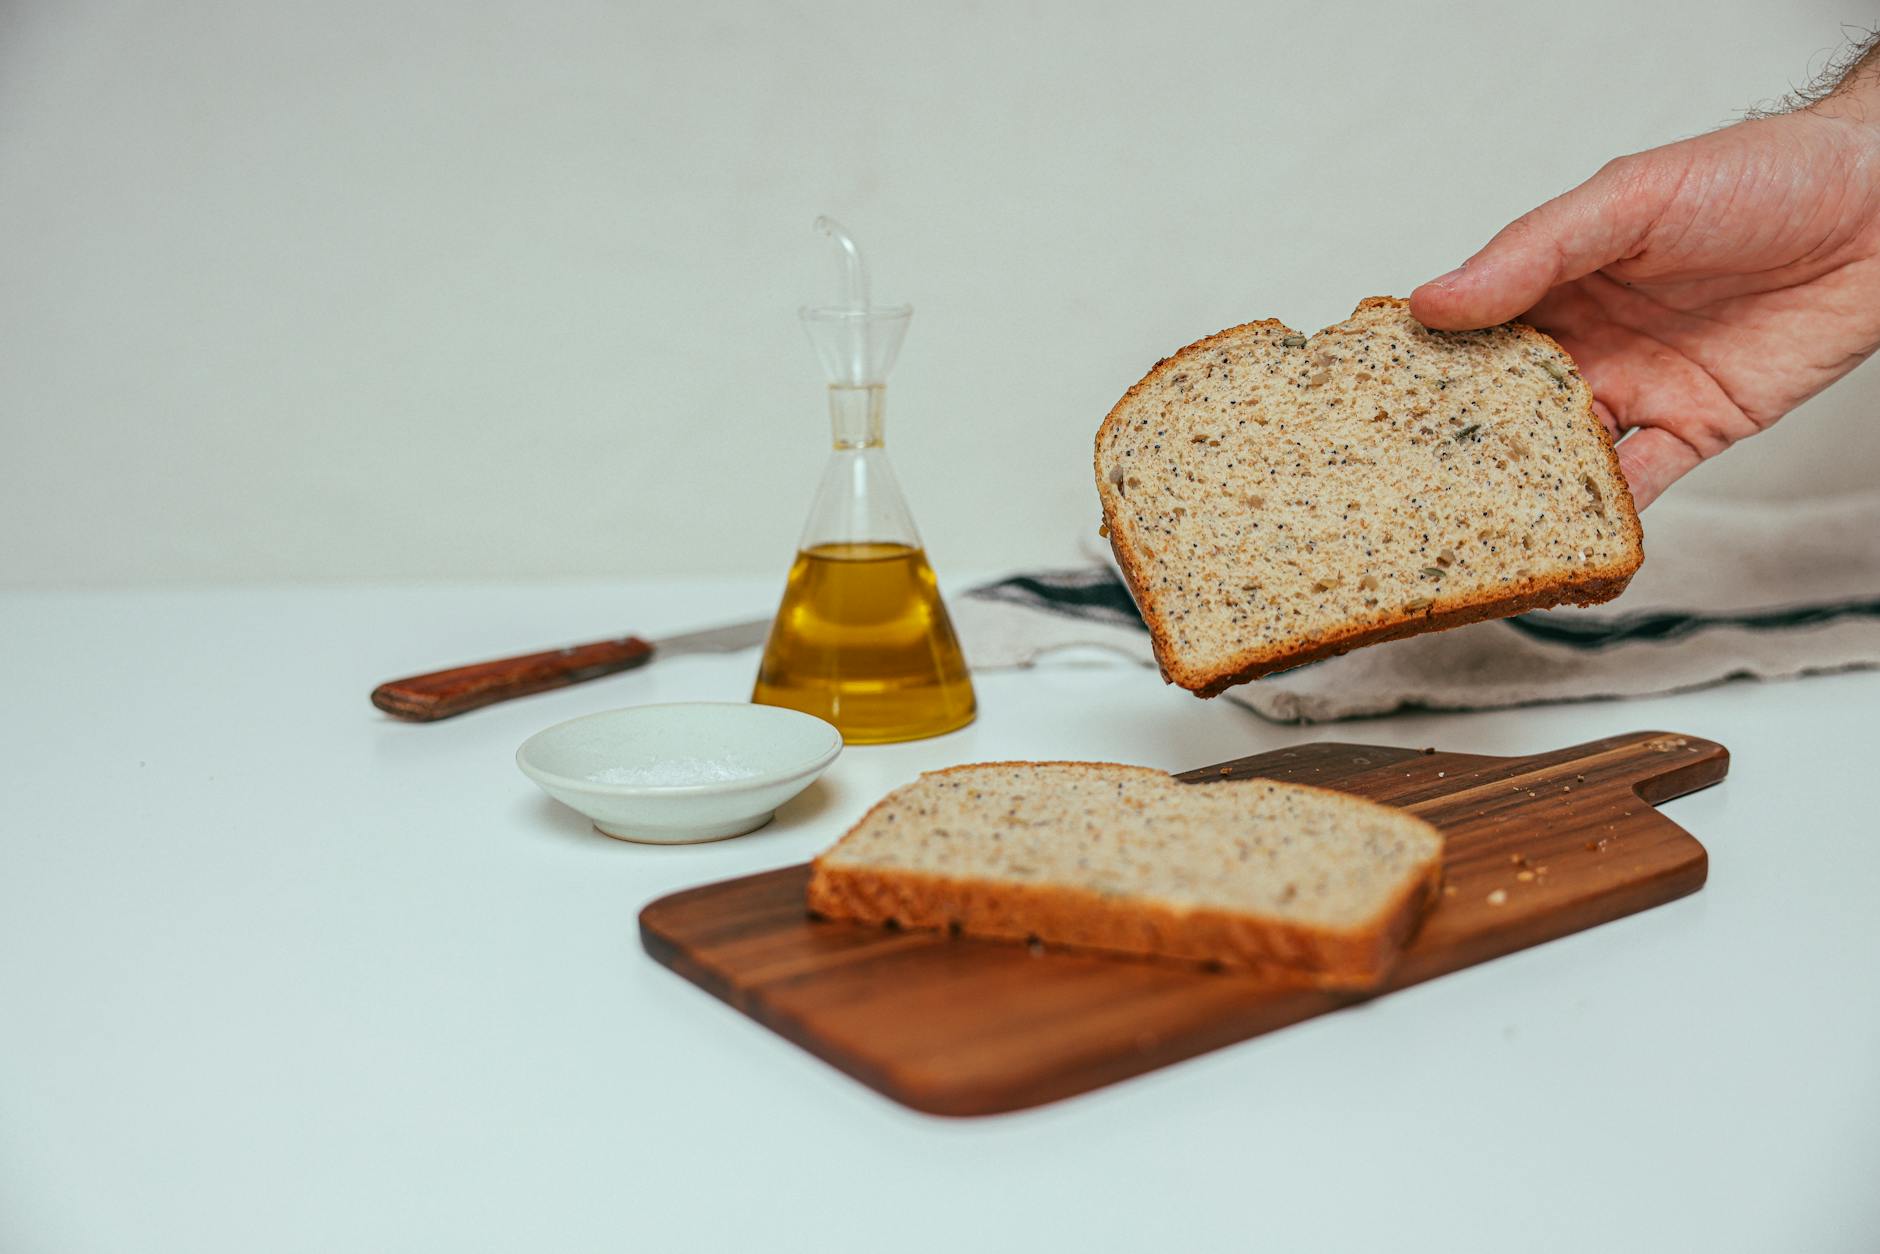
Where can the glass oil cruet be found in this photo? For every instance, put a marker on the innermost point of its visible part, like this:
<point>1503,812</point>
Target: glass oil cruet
<point>862,638</point>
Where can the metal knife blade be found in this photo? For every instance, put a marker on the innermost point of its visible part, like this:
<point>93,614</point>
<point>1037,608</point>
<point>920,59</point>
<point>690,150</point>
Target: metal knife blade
<point>727,639</point>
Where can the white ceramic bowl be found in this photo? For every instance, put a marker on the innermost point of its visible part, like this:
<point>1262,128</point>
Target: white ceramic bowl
<point>682,773</point>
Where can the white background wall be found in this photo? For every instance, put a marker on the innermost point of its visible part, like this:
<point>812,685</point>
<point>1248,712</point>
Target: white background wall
<point>370,289</point>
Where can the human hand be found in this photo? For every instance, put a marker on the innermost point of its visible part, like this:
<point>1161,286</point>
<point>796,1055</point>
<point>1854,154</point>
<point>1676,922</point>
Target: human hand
<point>1704,288</point>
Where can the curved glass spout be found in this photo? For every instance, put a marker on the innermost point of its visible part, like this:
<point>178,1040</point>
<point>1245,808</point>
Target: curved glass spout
<point>856,341</point>
<point>854,268</point>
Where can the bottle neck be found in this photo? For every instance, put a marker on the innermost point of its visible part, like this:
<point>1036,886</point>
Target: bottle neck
<point>855,414</point>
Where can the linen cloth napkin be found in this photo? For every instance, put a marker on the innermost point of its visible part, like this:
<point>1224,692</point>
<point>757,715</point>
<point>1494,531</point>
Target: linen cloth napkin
<point>1728,590</point>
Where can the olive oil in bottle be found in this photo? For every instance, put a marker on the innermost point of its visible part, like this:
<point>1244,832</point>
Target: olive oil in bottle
<point>862,638</point>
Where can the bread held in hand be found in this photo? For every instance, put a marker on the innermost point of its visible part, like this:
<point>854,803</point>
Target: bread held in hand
<point>1274,498</point>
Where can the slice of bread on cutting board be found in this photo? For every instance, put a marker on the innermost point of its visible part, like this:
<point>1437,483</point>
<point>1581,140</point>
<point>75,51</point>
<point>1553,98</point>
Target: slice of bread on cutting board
<point>1244,873</point>
<point>1274,498</point>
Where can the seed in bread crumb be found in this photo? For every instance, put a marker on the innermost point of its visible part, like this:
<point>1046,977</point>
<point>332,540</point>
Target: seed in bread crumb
<point>1446,558</point>
<point>1292,341</point>
<point>1434,572</point>
<point>1319,379</point>
<point>1368,582</point>
<point>1419,603</point>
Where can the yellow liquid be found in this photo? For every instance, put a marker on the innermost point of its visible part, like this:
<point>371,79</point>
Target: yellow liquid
<point>862,639</point>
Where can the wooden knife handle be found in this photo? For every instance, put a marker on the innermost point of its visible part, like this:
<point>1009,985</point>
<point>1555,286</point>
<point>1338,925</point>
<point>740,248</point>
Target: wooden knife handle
<point>427,698</point>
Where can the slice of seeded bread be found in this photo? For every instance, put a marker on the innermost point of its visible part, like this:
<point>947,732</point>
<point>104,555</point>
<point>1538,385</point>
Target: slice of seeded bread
<point>1274,498</point>
<point>1246,873</point>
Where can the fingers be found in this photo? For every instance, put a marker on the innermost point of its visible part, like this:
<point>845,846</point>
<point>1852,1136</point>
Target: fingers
<point>1599,222</point>
<point>1606,419</point>
<point>1652,459</point>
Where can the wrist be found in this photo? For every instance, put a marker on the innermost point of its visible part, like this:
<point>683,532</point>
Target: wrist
<point>1855,99</point>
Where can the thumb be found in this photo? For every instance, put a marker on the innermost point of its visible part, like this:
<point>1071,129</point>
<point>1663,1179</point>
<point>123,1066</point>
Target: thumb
<point>1601,221</point>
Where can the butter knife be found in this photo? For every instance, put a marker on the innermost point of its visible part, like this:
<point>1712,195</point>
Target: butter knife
<point>441,694</point>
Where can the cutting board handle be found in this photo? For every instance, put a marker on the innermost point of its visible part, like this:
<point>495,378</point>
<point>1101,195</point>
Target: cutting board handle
<point>1660,765</point>
<point>440,694</point>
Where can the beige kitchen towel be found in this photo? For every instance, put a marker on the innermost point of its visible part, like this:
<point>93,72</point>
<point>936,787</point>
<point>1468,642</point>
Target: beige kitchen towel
<point>1728,590</point>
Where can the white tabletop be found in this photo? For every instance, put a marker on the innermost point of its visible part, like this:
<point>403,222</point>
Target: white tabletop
<point>279,973</point>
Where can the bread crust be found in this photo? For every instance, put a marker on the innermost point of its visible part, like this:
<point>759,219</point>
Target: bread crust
<point>1588,587</point>
<point>1356,959</point>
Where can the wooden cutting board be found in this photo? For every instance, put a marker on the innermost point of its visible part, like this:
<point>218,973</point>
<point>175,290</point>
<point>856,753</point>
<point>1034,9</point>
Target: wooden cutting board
<point>1538,847</point>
